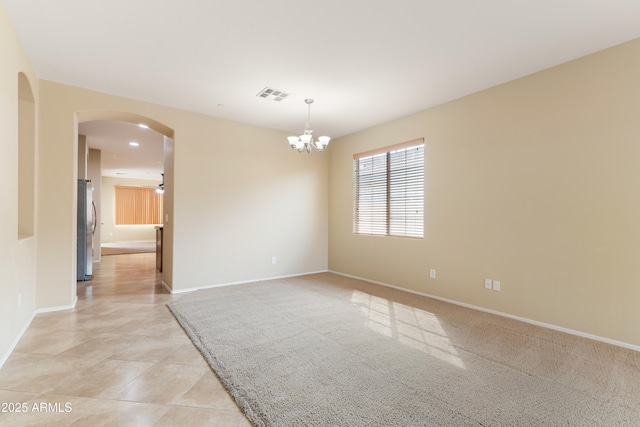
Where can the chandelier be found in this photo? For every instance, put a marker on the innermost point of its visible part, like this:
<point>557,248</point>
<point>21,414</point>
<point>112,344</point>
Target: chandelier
<point>306,142</point>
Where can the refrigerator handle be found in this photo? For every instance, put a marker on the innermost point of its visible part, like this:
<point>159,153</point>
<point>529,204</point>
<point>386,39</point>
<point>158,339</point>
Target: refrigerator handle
<point>95,218</point>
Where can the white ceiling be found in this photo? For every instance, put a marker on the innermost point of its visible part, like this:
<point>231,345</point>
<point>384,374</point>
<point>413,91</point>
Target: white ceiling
<point>364,62</point>
<point>118,157</point>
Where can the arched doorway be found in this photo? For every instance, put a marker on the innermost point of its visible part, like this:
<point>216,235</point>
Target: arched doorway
<point>167,133</point>
<point>26,158</point>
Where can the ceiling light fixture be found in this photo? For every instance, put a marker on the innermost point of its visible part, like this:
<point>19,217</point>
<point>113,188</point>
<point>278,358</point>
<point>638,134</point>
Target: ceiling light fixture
<point>305,142</point>
<point>160,188</point>
<point>133,144</point>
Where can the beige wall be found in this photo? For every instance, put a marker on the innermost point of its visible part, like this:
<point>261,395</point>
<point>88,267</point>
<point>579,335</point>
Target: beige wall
<point>122,233</point>
<point>17,246</point>
<point>94,173</point>
<point>167,233</point>
<point>240,195</point>
<point>534,183</point>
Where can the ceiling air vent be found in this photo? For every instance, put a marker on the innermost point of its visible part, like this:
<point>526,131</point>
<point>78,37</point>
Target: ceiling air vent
<point>271,93</point>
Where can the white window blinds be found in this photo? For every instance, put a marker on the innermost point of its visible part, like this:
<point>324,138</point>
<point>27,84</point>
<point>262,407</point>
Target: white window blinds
<point>389,191</point>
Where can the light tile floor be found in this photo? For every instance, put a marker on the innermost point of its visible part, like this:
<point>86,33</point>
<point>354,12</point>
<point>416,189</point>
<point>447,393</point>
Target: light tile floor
<point>118,359</point>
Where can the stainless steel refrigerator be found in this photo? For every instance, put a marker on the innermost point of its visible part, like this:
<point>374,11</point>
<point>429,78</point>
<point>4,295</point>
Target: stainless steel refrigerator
<point>86,227</point>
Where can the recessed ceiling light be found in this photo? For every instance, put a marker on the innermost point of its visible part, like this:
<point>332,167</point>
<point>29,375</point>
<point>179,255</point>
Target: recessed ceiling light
<point>133,144</point>
<point>143,126</point>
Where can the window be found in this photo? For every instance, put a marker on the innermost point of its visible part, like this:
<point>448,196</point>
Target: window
<point>138,205</point>
<point>388,197</point>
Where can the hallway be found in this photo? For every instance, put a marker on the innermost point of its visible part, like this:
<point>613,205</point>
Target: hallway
<point>119,358</point>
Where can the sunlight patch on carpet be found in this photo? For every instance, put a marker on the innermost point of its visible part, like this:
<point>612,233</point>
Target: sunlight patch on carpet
<point>410,326</point>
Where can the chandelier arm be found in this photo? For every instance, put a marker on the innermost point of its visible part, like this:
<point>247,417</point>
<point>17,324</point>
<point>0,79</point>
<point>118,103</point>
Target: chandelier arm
<point>315,146</point>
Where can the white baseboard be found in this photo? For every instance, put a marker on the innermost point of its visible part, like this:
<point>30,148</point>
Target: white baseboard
<point>181,291</point>
<point>15,342</point>
<point>26,326</point>
<point>58,308</point>
<point>163,283</point>
<point>498,313</point>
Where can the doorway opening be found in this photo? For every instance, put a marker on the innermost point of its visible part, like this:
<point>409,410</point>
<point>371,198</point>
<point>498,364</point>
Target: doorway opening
<point>119,151</point>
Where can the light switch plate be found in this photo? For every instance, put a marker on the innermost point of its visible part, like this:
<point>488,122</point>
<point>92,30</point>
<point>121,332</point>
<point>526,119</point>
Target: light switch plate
<point>432,273</point>
<point>487,283</point>
<point>496,285</point>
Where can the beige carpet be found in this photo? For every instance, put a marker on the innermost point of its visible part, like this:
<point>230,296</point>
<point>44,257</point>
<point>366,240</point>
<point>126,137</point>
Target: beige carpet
<point>122,248</point>
<point>325,350</point>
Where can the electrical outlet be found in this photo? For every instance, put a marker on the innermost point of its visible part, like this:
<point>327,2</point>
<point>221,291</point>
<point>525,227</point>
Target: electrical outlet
<point>487,283</point>
<point>273,260</point>
<point>496,285</point>
<point>432,273</point>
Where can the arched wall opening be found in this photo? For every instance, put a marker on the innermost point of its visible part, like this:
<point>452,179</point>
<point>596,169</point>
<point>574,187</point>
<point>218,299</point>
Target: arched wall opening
<point>167,246</point>
<point>26,158</point>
